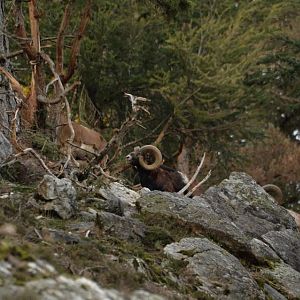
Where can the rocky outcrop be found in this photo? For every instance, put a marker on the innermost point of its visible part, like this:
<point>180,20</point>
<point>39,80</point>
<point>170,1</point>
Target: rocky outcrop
<point>233,242</point>
<point>241,217</point>
<point>232,213</point>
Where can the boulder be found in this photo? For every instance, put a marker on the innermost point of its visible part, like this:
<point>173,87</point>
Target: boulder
<point>213,271</point>
<point>120,200</point>
<point>233,213</point>
<point>57,195</point>
<point>124,228</point>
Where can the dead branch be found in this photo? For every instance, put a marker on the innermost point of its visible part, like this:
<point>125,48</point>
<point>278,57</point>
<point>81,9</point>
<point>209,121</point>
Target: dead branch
<point>67,106</point>
<point>76,44</point>
<point>58,98</point>
<point>13,134</point>
<point>163,131</point>
<point>21,32</point>
<point>199,184</point>
<point>60,38</point>
<point>194,176</point>
<point>16,86</point>
<point>17,53</point>
<point>26,151</point>
<point>11,55</point>
<point>108,176</point>
<point>171,118</point>
<point>135,106</point>
<point>119,135</point>
<point>143,138</point>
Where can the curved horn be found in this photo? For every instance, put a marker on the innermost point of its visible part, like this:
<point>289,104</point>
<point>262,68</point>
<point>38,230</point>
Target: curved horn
<point>275,192</point>
<point>157,157</point>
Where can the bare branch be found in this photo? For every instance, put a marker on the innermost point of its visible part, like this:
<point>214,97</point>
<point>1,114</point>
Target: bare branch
<point>163,131</point>
<point>16,86</point>
<point>107,176</point>
<point>194,176</point>
<point>199,184</point>
<point>12,54</point>
<point>62,91</point>
<point>21,32</point>
<point>14,130</point>
<point>76,44</point>
<point>58,98</point>
<point>60,38</point>
<point>25,151</point>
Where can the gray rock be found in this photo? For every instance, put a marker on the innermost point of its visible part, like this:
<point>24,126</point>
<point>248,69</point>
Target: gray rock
<point>120,200</point>
<point>124,228</point>
<point>57,195</point>
<point>272,293</point>
<point>5,269</point>
<point>262,252</point>
<point>285,278</point>
<point>5,148</point>
<point>59,236</point>
<point>62,288</point>
<point>232,213</point>
<point>286,243</point>
<point>215,272</point>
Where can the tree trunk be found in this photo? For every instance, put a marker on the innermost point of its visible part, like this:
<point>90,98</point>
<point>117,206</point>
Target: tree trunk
<point>7,100</point>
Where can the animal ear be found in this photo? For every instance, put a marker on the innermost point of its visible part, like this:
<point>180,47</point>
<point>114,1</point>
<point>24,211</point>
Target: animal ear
<point>155,153</point>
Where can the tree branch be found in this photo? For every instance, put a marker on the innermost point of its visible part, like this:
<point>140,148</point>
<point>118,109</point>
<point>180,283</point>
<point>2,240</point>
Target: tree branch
<point>21,32</point>
<point>194,176</point>
<point>15,85</point>
<point>25,151</point>
<point>60,38</point>
<point>11,55</point>
<point>76,44</point>
<point>61,95</point>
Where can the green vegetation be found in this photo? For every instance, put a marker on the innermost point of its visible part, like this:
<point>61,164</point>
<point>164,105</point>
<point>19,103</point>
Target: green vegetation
<point>217,72</point>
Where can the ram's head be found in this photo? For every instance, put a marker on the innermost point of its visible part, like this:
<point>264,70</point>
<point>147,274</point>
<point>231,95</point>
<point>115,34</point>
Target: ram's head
<point>148,157</point>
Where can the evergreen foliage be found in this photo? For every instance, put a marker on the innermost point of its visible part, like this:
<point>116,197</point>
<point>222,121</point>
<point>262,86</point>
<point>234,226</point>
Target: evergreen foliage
<point>216,71</point>
<point>204,67</point>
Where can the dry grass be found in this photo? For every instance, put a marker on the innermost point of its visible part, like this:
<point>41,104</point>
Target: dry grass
<point>275,159</point>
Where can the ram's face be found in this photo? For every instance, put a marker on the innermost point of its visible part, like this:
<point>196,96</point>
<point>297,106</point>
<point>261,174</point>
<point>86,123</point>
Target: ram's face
<point>148,157</point>
<point>133,157</point>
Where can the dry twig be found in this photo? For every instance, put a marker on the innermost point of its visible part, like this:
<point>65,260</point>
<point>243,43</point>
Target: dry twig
<point>26,151</point>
